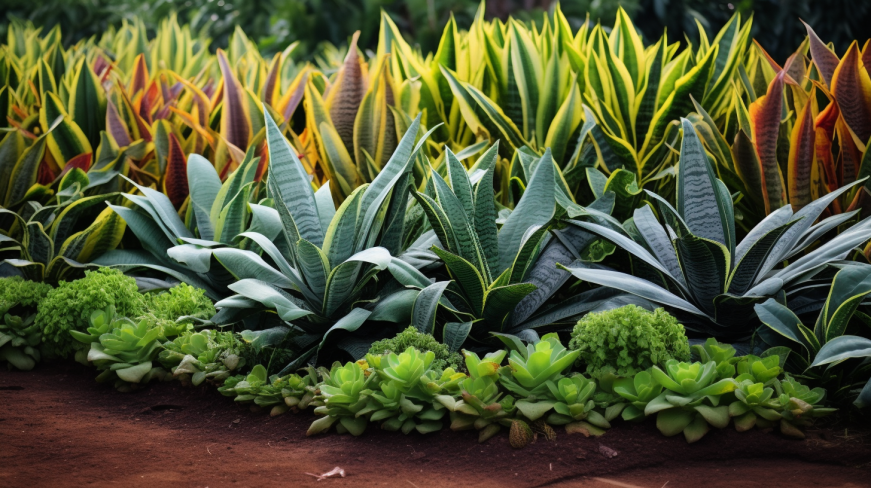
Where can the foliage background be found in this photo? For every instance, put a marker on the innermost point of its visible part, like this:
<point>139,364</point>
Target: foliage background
<point>275,23</point>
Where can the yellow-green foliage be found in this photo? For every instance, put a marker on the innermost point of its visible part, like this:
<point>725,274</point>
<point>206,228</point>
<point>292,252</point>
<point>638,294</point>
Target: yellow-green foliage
<point>16,291</point>
<point>410,337</point>
<point>182,300</point>
<point>629,339</point>
<point>69,306</point>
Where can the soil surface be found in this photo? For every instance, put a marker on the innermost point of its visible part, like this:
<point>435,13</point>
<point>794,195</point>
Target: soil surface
<point>58,427</point>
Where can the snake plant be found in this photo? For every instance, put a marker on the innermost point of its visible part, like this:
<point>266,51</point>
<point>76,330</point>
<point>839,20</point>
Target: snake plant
<point>689,260</point>
<point>827,351</point>
<point>324,262</point>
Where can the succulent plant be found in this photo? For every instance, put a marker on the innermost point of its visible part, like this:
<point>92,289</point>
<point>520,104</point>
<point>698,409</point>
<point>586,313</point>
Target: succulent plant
<point>207,355</point>
<point>638,391</point>
<point>800,405</point>
<point>19,342</point>
<point>126,353</point>
<point>345,393</point>
<point>721,354</point>
<point>406,400</point>
<point>691,402</point>
<point>757,369</point>
<point>574,406</point>
<point>482,405</point>
<point>244,388</point>
<point>754,406</point>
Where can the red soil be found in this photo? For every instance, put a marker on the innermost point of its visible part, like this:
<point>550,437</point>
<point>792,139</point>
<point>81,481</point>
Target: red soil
<point>60,428</point>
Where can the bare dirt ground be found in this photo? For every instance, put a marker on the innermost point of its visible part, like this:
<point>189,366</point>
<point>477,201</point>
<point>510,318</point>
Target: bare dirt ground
<point>58,427</point>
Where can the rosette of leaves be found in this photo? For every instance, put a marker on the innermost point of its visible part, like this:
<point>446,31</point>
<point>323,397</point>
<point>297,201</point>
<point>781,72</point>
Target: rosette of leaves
<point>182,247</point>
<point>532,371</point>
<point>100,322</point>
<point>345,392</point>
<point>19,342</point>
<point>20,337</point>
<point>244,388</point>
<point>498,278</point>
<point>690,261</point>
<point>834,350</point>
<point>754,405</point>
<point>574,406</point>
<point>126,353</point>
<point>325,260</point>
<point>482,405</point>
<point>723,355</point>
<point>300,391</point>
<point>411,337</point>
<point>799,405</point>
<point>637,392</point>
<point>206,355</point>
<point>691,400</point>
<point>757,369</point>
<point>402,402</point>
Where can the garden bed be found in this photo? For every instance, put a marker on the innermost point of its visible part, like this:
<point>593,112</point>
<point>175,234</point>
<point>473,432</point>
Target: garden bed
<point>59,427</point>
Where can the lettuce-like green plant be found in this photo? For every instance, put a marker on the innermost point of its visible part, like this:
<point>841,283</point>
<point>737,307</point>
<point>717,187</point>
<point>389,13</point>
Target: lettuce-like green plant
<point>181,301</point>
<point>345,393</point>
<point>574,406</point>
<point>68,307</point>
<point>20,296</point>
<point>638,391</point>
<point>754,406</point>
<point>628,339</point>
<point>691,402</point>
<point>20,336</point>
<point>19,342</point>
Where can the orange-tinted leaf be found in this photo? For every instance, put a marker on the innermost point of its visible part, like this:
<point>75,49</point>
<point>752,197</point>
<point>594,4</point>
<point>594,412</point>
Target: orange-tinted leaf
<point>115,125</point>
<point>802,155</point>
<point>748,167</point>
<point>235,126</point>
<point>175,181</point>
<point>765,119</point>
<point>851,88</point>
<point>850,157</point>
<point>346,95</point>
<point>269,86</point>
<point>82,161</point>
<point>825,60</point>
<point>139,76</point>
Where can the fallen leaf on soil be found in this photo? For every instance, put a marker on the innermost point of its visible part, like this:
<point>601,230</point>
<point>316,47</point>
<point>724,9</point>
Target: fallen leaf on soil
<point>607,451</point>
<point>337,471</point>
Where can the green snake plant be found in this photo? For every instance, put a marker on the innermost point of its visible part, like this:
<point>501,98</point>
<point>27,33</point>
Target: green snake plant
<point>689,260</point>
